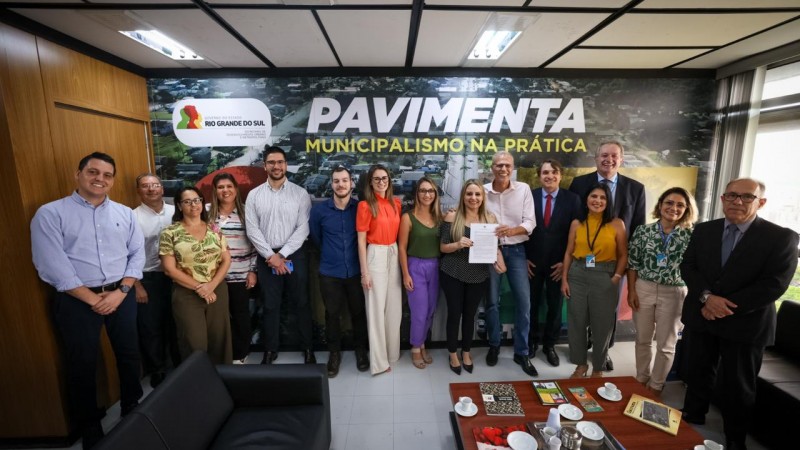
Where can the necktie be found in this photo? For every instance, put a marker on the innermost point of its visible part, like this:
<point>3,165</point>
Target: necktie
<point>610,200</point>
<point>729,242</point>
<point>548,210</point>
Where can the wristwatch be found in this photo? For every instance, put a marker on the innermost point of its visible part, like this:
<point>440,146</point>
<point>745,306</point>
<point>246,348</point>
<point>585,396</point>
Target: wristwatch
<point>704,297</point>
<point>124,288</point>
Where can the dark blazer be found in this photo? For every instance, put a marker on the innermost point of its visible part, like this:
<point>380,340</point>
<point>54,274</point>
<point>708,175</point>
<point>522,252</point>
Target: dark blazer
<point>629,200</point>
<point>757,273</point>
<point>547,244</point>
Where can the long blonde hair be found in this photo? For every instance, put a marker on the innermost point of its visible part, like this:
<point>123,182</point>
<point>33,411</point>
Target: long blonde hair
<point>369,194</point>
<point>460,219</point>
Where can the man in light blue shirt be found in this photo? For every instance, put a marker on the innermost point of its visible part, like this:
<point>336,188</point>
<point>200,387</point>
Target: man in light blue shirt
<point>91,250</point>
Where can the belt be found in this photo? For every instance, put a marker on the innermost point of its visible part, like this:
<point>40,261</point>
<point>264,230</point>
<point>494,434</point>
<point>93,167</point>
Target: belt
<point>510,245</point>
<point>106,287</point>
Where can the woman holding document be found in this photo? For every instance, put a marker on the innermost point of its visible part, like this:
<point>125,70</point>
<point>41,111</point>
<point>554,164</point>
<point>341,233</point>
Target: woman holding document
<point>465,284</point>
<point>594,263</point>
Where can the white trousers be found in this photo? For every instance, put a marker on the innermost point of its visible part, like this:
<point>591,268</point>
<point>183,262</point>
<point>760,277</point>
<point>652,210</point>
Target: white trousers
<point>384,306</point>
<point>659,315</point>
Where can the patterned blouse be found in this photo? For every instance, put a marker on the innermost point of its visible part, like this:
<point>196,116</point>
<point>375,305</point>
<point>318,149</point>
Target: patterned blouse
<point>645,246</point>
<point>200,259</point>
<point>456,264</point>
<point>243,254</point>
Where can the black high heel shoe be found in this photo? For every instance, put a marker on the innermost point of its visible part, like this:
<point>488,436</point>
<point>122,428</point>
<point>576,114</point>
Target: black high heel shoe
<point>456,369</point>
<point>467,367</point>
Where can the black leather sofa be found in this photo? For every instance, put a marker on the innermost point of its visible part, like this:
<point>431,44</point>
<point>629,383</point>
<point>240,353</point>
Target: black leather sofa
<point>778,389</point>
<point>199,406</point>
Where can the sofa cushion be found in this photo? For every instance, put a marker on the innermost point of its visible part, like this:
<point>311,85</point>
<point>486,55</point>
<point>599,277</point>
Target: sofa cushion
<point>285,427</point>
<point>779,370</point>
<point>787,333</point>
<point>190,406</point>
<point>134,432</point>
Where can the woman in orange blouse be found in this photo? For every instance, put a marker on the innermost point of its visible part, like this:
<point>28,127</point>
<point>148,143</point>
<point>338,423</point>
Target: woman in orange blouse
<point>377,224</point>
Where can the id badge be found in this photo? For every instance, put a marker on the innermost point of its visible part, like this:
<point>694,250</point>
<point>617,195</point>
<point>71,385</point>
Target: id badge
<point>590,261</point>
<point>661,260</point>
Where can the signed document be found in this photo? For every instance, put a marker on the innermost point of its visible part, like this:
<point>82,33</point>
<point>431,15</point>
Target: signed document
<point>484,243</point>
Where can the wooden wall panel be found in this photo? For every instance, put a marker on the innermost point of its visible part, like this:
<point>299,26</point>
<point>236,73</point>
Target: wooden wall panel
<point>56,106</point>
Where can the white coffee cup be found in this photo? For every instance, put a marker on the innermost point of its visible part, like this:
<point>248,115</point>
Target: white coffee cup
<point>700,447</point>
<point>554,443</point>
<point>711,445</point>
<point>465,403</point>
<point>611,389</point>
<point>549,433</point>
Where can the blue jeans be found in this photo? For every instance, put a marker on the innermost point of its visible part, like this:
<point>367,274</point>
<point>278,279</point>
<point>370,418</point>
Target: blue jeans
<point>517,274</point>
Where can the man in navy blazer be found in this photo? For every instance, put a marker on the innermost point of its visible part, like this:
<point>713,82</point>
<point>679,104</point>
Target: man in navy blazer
<point>627,194</point>
<point>735,269</point>
<point>545,252</point>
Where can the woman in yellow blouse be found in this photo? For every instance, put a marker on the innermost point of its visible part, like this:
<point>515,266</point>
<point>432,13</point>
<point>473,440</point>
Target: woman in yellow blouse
<point>196,257</point>
<point>594,263</point>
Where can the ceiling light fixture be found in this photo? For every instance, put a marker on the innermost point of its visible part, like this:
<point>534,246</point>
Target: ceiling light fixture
<point>492,44</point>
<point>163,44</point>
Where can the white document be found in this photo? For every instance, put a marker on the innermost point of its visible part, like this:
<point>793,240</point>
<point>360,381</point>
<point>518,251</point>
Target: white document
<point>484,243</point>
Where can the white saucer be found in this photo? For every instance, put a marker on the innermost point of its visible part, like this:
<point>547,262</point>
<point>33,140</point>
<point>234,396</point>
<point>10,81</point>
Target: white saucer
<point>570,412</point>
<point>520,440</point>
<point>590,430</point>
<point>469,412</point>
<point>602,391</point>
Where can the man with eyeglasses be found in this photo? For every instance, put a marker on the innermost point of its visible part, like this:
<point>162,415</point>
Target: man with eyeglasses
<point>157,336</point>
<point>735,269</point>
<point>277,215</point>
<point>512,203</point>
<point>627,198</point>
<point>91,250</point>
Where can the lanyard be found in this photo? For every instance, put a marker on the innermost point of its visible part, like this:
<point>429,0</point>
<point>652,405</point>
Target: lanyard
<point>597,233</point>
<point>665,239</point>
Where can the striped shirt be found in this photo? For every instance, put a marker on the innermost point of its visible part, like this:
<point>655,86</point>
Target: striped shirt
<point>277,219</point>
<point>243,254</point>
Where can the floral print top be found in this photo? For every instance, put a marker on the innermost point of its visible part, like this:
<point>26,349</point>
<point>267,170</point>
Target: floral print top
<point>200,259</point>
<point>645,246</point>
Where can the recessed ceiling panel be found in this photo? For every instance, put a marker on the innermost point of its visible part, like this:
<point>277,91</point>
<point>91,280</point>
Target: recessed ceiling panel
<point>139,1</point>
<point>287,38</point>
<point>197,31</point>
<point>738,4</point>
<point>621,59</point>
<point>368,38</point>
<point>676,30</point>
<point>581,3</point>
<point>546,37</point>
<point>445,37</point>
<point>96,33</point>
<point>784,34</point>
<point>476,2</point>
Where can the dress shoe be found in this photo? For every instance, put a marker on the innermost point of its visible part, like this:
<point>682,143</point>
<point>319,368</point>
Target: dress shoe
<point>92,434</point>
<point>269,357</point>
<point>491,357</point>
<point>695,420</point>
<point>526,365</point>
<point>532,350</point>
<point>334,360</point>
<point>467,367</point>
<point>456,369</point>
<point>308,357</point>
<point>609,365</point>
<point>552,357</point>
<point>156,378</point>
<point>362,360</point>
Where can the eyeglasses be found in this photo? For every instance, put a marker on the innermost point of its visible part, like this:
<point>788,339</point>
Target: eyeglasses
<point>732,196</point>
<point>671,203</point>
<point>427,191</point>
<point>150,185</point>
<point>192,201</point>
<point>382,179</point>
<point>276,163</point>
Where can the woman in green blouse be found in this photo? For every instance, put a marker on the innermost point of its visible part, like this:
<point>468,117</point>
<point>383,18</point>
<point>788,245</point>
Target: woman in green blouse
<point>655,288</point>
<point>197,259</point>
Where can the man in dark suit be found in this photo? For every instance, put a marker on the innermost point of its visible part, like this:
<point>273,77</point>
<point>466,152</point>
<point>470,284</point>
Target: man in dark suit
<point>555,209</point>
<point>735,269</point>
<point>627,194</point>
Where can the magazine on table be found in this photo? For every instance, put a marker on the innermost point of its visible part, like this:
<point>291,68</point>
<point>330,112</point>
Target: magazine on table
<point>500,399</point>
<point>655,414</point>
<point>585,399</point>
<point>550,393</point>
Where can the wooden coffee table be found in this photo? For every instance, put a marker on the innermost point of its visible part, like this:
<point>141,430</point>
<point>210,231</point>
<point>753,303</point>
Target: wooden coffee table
<point>631,433</point>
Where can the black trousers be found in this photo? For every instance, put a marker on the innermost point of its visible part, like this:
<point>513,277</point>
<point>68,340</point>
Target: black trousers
<point>462,304</point>
<point>336,292</point>
<point>239,306</point>
<point>273,289</point>
<point>545,290</point>
<point>79,328</point>
<point>158,340</point>
<point>740,363</point>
